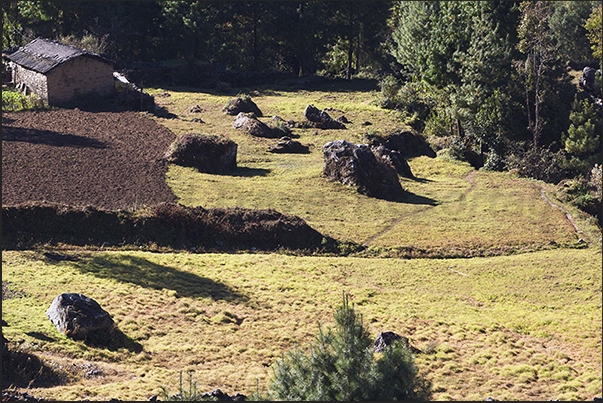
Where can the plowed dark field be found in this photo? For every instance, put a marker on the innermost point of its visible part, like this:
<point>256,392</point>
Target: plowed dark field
<point>109,160</point>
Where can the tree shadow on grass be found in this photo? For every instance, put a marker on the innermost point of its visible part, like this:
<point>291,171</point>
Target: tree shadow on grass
<point>142,272</point>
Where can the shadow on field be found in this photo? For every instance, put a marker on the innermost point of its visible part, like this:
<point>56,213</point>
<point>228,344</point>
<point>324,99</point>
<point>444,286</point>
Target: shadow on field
<point>411,198</point>
<point>248,172</point>
<point>408,198</point>
<point>140,271</point>
<point>40,336</point>
<point>48,137</point>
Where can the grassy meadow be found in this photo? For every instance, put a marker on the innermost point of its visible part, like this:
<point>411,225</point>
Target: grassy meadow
<point>476,268</point>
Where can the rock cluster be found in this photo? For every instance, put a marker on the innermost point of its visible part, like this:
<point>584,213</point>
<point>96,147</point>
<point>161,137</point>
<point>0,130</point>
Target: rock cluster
<point>15,396</point>
<point>321,119</point>
<point>219,395</point>
<point>356,165</point>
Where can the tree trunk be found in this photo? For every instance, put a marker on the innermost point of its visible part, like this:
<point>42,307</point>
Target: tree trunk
<point>348,70</point>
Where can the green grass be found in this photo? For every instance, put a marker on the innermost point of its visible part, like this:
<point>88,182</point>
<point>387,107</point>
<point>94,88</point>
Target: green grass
<point>531,318</point>
<point>522,321</point>
<point>446,211</point>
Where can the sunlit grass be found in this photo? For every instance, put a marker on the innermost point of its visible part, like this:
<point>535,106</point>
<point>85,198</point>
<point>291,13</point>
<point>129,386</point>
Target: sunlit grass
<point>518,326</point>
<point>523,319</point>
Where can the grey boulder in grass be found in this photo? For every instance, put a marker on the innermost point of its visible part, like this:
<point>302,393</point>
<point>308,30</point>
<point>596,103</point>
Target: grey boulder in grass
<point>80,317</point>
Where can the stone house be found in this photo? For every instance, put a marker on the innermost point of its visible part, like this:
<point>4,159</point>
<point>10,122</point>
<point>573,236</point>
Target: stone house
<point>57,73</point>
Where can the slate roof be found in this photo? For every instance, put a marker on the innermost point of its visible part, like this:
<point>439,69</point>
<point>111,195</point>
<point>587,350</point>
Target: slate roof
<point>42,55</point>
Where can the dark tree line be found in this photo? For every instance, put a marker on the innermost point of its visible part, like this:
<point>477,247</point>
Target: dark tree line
<point>334,37</point>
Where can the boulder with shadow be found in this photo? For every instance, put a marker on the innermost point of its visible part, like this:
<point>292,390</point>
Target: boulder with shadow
<point>321,119</point>
<point>251,124</point>
<point>207,153</point>
<point>395,159</point>
<point>80,318</point>
<point>385,339</point>
<point>407,143</point>
<point>244,104</point>
<point>356,166</point>
<point>287,145</point>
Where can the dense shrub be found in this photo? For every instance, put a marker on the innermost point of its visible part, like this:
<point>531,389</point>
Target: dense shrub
<point>13,101</point>
<point>340,365</point>
<point>415,100</point>
<point>389,92</point>
<point>584,193</point>
<point>538,163</point>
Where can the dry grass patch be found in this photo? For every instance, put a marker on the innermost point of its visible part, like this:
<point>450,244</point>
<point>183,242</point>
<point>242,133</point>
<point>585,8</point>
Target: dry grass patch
<point>532,321</point>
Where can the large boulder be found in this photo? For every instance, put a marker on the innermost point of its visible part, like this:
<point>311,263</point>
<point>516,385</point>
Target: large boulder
<point>321,119</point>
<point>238,105</point>
<point>356,165</point>
<point>79,317</point>
<point>393,158</point>
<point>253,126</point>
<point>207,153</point>
<point>407,143</point>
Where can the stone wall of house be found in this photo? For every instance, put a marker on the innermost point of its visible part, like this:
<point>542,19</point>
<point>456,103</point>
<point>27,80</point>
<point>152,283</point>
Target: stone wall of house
<point>79,76</point>
<point>29,82</point>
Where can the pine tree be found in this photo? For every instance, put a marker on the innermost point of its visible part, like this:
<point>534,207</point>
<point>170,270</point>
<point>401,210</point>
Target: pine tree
<point>340,365</point>
<point>583,137</point>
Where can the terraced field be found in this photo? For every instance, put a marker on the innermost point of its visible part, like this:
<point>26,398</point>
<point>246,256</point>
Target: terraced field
<point>484,272</point>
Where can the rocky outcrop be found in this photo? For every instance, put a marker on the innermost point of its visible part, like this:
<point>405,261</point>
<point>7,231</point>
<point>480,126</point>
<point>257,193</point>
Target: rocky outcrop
<point>238,105</point>
<point>287,145</point>
<point>253,126</point>
<point>321,119</point>
<point>207,153</point>
<point>356,165</point>
<point>394,159</point>
<point>79,317</point>
<point>588,82</point>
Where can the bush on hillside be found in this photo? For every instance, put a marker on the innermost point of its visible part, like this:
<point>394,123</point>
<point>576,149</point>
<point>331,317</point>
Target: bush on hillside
<point>13,101</point>
<point>538,163</point>
<point>340,365</point>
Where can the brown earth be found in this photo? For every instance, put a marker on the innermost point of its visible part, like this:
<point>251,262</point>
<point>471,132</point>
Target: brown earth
<point>110,160</point>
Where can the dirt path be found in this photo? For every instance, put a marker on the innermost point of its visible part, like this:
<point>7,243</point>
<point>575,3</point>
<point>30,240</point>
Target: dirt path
<point>569,217</point>
<point>393,224</point>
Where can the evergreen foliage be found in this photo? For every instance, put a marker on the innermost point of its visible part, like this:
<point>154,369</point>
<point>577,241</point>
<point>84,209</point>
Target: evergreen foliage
<point>583,137</point>
<point>568,28</point>
<point>340,365</point>
<point>595,34</point>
